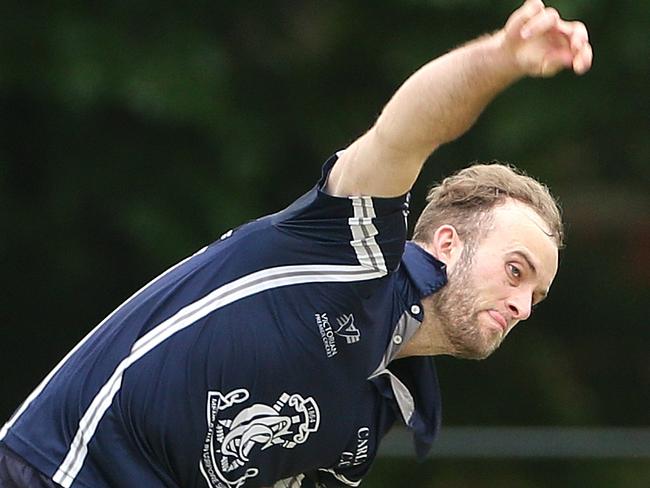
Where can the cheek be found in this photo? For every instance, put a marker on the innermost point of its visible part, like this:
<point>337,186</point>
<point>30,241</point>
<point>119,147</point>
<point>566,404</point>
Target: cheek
<point>491,285</point>
<point>487,269</point>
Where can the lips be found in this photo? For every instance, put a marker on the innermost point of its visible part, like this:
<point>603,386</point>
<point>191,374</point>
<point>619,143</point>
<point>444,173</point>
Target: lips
<point>499,319</point>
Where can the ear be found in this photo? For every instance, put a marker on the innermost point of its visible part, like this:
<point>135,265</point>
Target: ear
<point>446,245</point>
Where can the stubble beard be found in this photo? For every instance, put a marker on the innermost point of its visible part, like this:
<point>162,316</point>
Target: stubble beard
<point>456,308</point>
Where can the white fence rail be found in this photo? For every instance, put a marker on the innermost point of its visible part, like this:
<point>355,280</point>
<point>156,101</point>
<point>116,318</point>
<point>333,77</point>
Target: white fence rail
<point>527,442</point>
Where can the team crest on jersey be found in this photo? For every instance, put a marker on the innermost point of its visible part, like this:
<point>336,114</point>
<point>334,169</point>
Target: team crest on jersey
<point>231,441</point>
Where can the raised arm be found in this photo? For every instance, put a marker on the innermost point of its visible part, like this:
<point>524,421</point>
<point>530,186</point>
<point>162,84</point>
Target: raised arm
<point>441,100</point>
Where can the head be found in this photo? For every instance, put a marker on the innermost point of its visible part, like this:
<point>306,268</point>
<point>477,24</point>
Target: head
<point>499,232</point>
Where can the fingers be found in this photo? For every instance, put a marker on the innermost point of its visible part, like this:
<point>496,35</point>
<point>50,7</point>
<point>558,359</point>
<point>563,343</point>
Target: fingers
<point>582,61</point>
<point>541,22</point>
<point>522,15</point>
<point>576,32</point>
<point>581,50</point>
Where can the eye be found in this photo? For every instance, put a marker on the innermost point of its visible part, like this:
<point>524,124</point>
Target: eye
<point>514,271</point>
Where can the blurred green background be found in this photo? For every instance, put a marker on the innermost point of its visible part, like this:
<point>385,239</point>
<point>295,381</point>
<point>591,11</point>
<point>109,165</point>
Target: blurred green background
<point>132,133</point>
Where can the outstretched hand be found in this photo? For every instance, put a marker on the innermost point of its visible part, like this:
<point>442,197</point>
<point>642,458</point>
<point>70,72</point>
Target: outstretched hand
<point>543,43</point>
<point>442,99</point>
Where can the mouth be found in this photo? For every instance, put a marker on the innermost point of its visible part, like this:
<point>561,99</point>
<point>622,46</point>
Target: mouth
<point>499,320</point>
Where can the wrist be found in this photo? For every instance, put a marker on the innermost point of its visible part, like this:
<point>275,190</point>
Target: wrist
<point>501,55</point>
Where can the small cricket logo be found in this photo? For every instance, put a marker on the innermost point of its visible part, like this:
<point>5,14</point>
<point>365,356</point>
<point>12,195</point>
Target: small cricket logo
<point>347,328</point>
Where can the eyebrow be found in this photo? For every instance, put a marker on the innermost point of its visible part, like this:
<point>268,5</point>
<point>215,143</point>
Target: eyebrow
<point>526,257</point>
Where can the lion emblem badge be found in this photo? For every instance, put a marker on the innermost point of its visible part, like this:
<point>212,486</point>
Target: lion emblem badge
<point>230,442</point>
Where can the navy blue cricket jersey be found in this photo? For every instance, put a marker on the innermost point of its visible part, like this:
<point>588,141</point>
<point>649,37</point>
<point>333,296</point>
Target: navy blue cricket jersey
<point>263,359</point>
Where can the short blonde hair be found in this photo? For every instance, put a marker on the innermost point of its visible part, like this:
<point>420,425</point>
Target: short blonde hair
<point>465,200</point>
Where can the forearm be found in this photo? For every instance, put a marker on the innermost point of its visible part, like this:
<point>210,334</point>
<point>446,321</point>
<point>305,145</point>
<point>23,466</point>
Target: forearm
<point>441,100</point>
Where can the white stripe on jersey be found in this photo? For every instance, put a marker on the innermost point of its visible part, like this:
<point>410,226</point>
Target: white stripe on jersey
<point>372,266</point>
<point>363,234</point>
<point>37,391</point>
<point>236,290</point>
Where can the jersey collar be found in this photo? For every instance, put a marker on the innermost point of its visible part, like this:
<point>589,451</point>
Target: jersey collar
<point>412,382</point>
<point>426,273</point>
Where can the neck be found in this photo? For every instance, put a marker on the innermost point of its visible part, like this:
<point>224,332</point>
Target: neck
<point>429,340</point>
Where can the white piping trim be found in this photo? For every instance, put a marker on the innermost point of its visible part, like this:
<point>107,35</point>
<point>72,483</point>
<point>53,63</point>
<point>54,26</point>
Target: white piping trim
<point>236,290</point>
<point>37,391</point>
<point>372,266</point>
<point>406,327</point>
<point>402,394</point>
<point>341,478</point>
<point>403,397</point>
<point>363,234</point>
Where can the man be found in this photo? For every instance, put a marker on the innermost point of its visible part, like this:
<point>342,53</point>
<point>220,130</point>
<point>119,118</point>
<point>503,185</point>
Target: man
<point>281,354</point>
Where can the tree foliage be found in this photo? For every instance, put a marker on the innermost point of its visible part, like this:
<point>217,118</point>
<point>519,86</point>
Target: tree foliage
<point>135,132</point>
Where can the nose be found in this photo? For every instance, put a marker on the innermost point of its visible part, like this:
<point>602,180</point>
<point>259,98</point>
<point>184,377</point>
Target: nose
<point>520,305</point>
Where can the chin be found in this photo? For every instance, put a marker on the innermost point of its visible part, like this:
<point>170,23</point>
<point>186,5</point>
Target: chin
<point>479,345</point>
<point>474,354</point>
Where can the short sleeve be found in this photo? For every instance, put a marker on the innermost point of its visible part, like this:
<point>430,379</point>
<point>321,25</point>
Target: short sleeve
<point>358,230</point>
